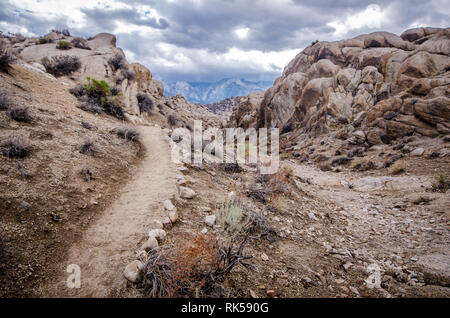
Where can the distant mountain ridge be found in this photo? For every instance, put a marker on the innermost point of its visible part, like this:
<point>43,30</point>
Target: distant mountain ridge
<point>209,93</point>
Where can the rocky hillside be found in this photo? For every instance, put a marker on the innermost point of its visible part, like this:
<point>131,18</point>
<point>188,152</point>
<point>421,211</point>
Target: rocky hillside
<point>377,87</point>
<point>100,59</point>
<point>225,107</point>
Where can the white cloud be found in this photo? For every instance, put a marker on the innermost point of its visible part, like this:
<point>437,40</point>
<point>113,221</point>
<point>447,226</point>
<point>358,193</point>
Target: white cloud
<point>242,33</point>
<point>371,17</point>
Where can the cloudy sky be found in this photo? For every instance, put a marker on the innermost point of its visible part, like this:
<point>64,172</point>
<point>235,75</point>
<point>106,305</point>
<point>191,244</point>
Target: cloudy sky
<point>207,40</point>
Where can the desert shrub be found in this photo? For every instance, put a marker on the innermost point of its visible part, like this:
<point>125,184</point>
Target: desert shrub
<point>16,147</point>
<point>172,120</point>
<point>116,62</point>
<point>64,45</point>
<point>196,268</point>
<point>232,168</point>
<point>259,227</point>
<point>88,126</point>
<point>77,91</point>
<point>80,43</point>
<point>95,98</point>
<point>61,64</point>
<point>129,75</point>
<point>20,114</point>
<point>96,88</point>
<point>6,56</point>
<point>441,184</point>
<point>127,132</point>
<point>5,102</point>
<point>276,183</point>
<point>232,219</point>
<point>44,40</point>
<point>145,102</point>
<point>66,32</point>
<point>86,174</point>
<point>325,167</point>
<point>88,148</point>
<point>115,91</point>
<point>398,167</point>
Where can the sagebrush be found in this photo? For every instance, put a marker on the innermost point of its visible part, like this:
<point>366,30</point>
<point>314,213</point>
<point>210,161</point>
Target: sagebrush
<point>61,64</point>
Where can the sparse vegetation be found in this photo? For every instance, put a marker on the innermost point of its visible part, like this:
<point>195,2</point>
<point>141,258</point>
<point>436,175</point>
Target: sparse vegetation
<point>16,147</point>
<point>88,126</point>
<point>86,174</point>
<point>129,75</point>
<point>80,43</point>
<point>194,269</point>
<point>64,45</point>
<point>6,56</point>
<point>116,62</point>
<point>95,98</point>
<point>325,167</point>
<point>232,219</point>
<point>172,120</point>
<point>441,184</point>
<point>44,40</point>
<point>20,114</point>
<point>61,65</point>
<point>127,132</point>
<point>88,148</point>
<point>145,102</point>
<point>5,102</point>
<point>398,167</point>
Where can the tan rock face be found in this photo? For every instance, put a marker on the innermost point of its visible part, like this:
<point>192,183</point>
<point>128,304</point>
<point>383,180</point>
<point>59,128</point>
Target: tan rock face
<point>399,84</point>
<point>95,64</point>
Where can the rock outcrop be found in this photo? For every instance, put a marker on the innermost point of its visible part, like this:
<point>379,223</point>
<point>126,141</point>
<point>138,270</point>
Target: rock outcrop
<point>94,59</point>
<point>383,85</point>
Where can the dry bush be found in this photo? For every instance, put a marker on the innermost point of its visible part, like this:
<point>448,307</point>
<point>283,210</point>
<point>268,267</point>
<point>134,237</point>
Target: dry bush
<point>145,102</point>
<point>95,97</point>
<point>195,269</point>
<point>80,43</point>
<point>128,133</point>
<point>441,184</point>
<point>61,64</point>
<point>129,75</point>
<point>5,102</point>
<point>172,120</point>
<point>116,62</point>
<point>16,147</point>
<point>64,45</point>
<point>276,183</point>
<point>398,168</point>
<point>6,56</point>
<point>88,126</point>
<point>20,114</point>
<point>86,174</point>
<point>88,148</point>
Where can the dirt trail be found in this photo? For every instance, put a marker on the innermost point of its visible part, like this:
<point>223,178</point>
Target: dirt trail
<point>113,240</point>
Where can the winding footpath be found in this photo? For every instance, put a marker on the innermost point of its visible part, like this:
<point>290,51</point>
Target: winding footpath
<point>113,240</point>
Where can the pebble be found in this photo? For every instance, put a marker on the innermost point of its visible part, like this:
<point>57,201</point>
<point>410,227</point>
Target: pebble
<point>133,271</point>
<point>264,257</point>
<point>168,205</point>
<point>210,220</point>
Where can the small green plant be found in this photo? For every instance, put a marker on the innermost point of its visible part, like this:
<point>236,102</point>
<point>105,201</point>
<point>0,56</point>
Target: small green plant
<point>64,45</point>
<point>97,88</point>
<point>285,155</point>
<point>355,164</point>
<point>398,168</point>
<point>442,184</point>
<point>43,40</point>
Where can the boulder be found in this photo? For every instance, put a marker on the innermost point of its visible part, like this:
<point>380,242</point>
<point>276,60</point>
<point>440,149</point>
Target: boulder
<point>133,271</point>
<point>150,244</point>
<point>187,193</point>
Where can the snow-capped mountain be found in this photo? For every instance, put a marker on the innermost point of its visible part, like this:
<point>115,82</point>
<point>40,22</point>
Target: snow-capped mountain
<point>208,93</point>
